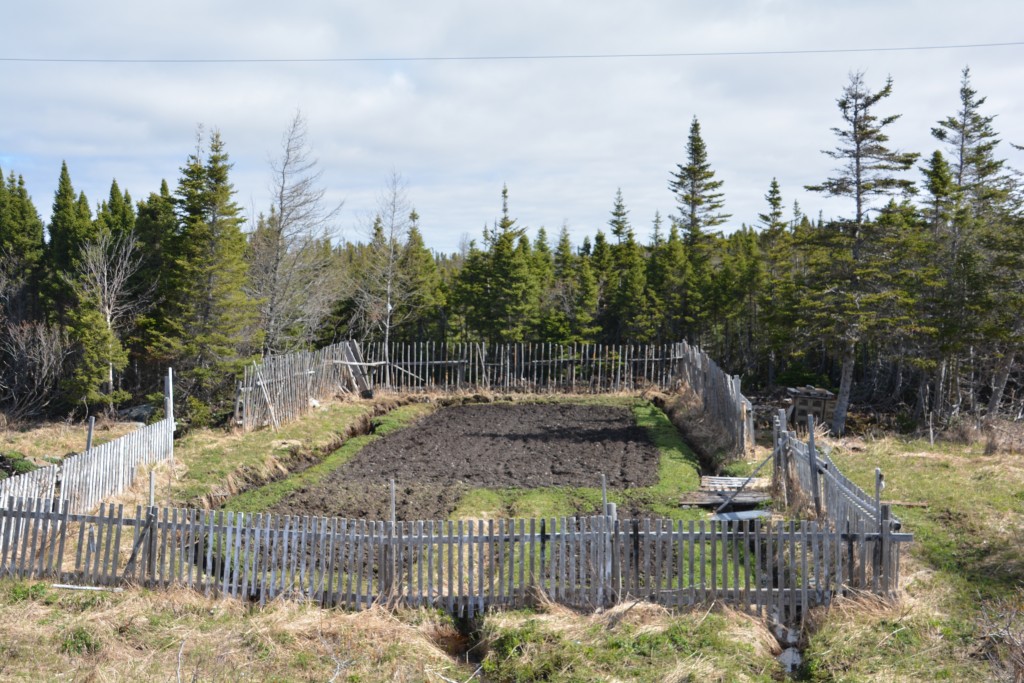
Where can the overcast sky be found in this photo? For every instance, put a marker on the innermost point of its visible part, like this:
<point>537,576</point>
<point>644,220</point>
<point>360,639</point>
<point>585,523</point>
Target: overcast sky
<point>563,134</point>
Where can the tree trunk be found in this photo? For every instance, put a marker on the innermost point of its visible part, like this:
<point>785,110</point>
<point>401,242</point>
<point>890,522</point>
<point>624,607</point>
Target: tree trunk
<point>845,387</point>
<point>999,383</point>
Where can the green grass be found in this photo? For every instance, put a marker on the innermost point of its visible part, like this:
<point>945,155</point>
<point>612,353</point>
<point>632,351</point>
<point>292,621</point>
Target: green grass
<point>967,560</point>
<point>212,456</point>
<point>678,471</point>
<point>652,646</point>
<point>267,496</point>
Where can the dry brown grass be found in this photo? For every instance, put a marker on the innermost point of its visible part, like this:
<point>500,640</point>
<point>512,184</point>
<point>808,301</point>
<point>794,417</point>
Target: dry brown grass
<point>740,640</point>
<point>58,439</point>
<point>179,635</point>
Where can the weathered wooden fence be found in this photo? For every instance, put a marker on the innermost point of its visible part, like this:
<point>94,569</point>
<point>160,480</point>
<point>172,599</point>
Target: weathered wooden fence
<point>284,387</point>
<point>806,477</point>
<point>465,567</point>
<point>87,478</point>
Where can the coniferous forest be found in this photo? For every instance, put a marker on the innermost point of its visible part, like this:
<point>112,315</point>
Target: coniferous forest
<point>909,302</point>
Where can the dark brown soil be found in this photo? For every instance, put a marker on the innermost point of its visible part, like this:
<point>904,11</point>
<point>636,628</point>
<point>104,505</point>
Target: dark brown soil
<point>522,445</point>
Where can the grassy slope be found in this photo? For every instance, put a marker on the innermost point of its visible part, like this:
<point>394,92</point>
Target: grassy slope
<point>266,496</point>
<point>212,456</point>
<point>55,440</point>
<point>138,635</point>
<point>967,558</point>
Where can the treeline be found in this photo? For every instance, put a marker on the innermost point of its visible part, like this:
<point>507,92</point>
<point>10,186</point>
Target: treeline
<point>913,301</point>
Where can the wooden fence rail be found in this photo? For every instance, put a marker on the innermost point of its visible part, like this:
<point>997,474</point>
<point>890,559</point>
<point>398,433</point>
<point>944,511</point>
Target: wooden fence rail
<point>283,388</point>
<point>779,569</point>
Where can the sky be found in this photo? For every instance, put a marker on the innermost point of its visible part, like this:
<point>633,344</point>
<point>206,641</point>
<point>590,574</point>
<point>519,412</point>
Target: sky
<point>562,133</point>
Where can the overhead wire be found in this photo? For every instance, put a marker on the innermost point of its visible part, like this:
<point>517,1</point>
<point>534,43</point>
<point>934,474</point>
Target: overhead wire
<point>483,58</point>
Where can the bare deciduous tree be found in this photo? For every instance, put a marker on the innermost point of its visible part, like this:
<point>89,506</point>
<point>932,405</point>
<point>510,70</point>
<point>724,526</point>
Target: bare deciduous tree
<point>289,252</point>
<point>384,293</point>
<point>32,354</point>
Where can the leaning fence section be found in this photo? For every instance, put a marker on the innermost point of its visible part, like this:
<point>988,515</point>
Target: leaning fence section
<point>806,477</point>
<point>285,387</point>
<point>465,567</point>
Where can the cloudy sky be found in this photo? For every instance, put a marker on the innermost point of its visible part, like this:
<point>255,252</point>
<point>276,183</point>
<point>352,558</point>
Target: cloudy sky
<point>563,134</point>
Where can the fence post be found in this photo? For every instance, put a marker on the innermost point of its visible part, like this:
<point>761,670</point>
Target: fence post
<point>609,588</point>
<point>879,485</point>
<point>88,436</point>
<point>783,456</point>
<point>388,570</point>
<point>885,543</point>
<point>812,457</point>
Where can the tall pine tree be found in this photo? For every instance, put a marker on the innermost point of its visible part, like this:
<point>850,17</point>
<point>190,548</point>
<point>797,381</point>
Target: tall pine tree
<point>869,168</point>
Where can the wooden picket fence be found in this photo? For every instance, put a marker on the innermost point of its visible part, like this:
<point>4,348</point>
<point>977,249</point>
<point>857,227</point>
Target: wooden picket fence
<point>465,567</point>
<point>807,478</point>
<point>89,477</point>
<point>283,388</point>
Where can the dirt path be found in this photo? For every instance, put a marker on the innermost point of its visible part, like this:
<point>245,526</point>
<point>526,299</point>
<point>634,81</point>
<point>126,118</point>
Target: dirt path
<point>524,445</point>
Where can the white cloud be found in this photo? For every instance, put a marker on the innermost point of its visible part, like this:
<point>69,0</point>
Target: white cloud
<point>564,134</point>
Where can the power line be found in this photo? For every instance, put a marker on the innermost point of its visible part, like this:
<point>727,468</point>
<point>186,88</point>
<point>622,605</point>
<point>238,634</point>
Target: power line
<point>498,58</point>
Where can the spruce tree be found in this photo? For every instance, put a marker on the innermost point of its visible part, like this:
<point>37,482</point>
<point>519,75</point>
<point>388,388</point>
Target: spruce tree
<point>869,168</point>
<point>70,227</point>
<point>979,213</point>
<point>697,193</point>
<point>495,289</point>
<point>629,308</point>
<point>670,276</point>
<point>778,293</point>
<point>424,280</point>
<point>209,329</point>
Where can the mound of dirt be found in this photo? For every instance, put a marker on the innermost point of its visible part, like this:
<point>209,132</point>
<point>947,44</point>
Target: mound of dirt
<point>522,445</point>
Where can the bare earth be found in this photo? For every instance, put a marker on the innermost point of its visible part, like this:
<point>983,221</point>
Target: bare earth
<point>523,445</point>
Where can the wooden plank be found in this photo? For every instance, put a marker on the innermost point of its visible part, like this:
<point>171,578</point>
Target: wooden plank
<point>709,483</point>
<point>450,543</point>
<point>716,498</point>
<point>360,562</point>
<point>703,540</point>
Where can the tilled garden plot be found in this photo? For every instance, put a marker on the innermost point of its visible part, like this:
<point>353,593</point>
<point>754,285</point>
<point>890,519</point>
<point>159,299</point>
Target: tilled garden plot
<point>522,445</point>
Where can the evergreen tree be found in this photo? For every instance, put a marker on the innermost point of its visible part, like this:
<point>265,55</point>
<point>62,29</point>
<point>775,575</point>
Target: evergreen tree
<point>21,250</point>
<point>978,210</point>
<point>116,215</point>
<point>70,227</point>
<point>425,283</point>
<point>209,329</point>
<point>700,201</point>
<point>869,169</point>
<point>21,230</point>
<point>495,289</point>
<point>629,310</point>
<point>697,192</point>
<point>772,221</point>
<point>670,277</point>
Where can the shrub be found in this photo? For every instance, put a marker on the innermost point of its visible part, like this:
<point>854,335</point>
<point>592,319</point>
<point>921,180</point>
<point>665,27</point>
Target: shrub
<point>78,641</point>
